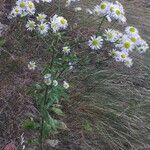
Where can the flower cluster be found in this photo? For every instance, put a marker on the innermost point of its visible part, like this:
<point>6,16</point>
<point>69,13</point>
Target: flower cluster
<point>41,26</point>
<point>23,8</point>
<point>126,43</point>
<point>48,81</point>
<point>123,43</point>
<point>56,23</point>
<point>111,11</point>
<point>112,35</point>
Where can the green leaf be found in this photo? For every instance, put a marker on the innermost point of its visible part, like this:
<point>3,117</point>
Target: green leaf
<point>47,129</point>
<point>60,125</point>
<point>58,111</point>
<point>33,142</point>
<point>30,124</point>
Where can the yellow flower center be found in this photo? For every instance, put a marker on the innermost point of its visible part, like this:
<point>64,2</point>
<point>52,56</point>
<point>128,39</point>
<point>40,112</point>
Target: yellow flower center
<point>103,6</point>
<point>132,29</point>
<point>95,42</point>
<point>127,45</point>
<point>118,12</point>
<point>22,4</point>
<point>123,56</point>
<point>30,5</point>
<point>16,10</point>
<point>42,27</point>
<point>133,39</point>
<point>63,21</point>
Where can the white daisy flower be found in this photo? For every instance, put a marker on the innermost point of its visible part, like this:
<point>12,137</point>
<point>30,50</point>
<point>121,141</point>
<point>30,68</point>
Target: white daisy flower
<point>22,4</point>
<point>58,22</point>
<point>41,17</point>
<point>30,25</point>
<point>111,8</point>
<point>95,43</point>
<point>65,85</point>
<point>118,15</point>
<point>125,44</point>
<point>102,9</point>
<point>121,56</point>
<point>112,35</point>
<point>32,65</point>
<point>113,53</point>
<point>47,79</point>
<point>131,30</point>
<point>15,12</point>
<point>30,7</point>
<point>136,39</point>
<point>66,50</point>
<point>43,28</point>
<point>119,5</point>
<point>119,35</point>
<point>55,83</point>
<point>62,22</point>
<point>143,47</point>
<point>54,23</point>
<point>109,35</point>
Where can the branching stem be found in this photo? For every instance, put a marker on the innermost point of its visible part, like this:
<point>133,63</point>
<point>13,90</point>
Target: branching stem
<point>42,122</point>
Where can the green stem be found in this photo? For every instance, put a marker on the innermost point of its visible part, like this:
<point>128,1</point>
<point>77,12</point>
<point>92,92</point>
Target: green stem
<point>52,59</point>
<point>42,122</point>
<point>99,27</point>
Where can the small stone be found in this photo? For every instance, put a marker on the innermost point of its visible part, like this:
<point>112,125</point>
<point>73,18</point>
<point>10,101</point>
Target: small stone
<point>10,146</point>
<point>52,143</point>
